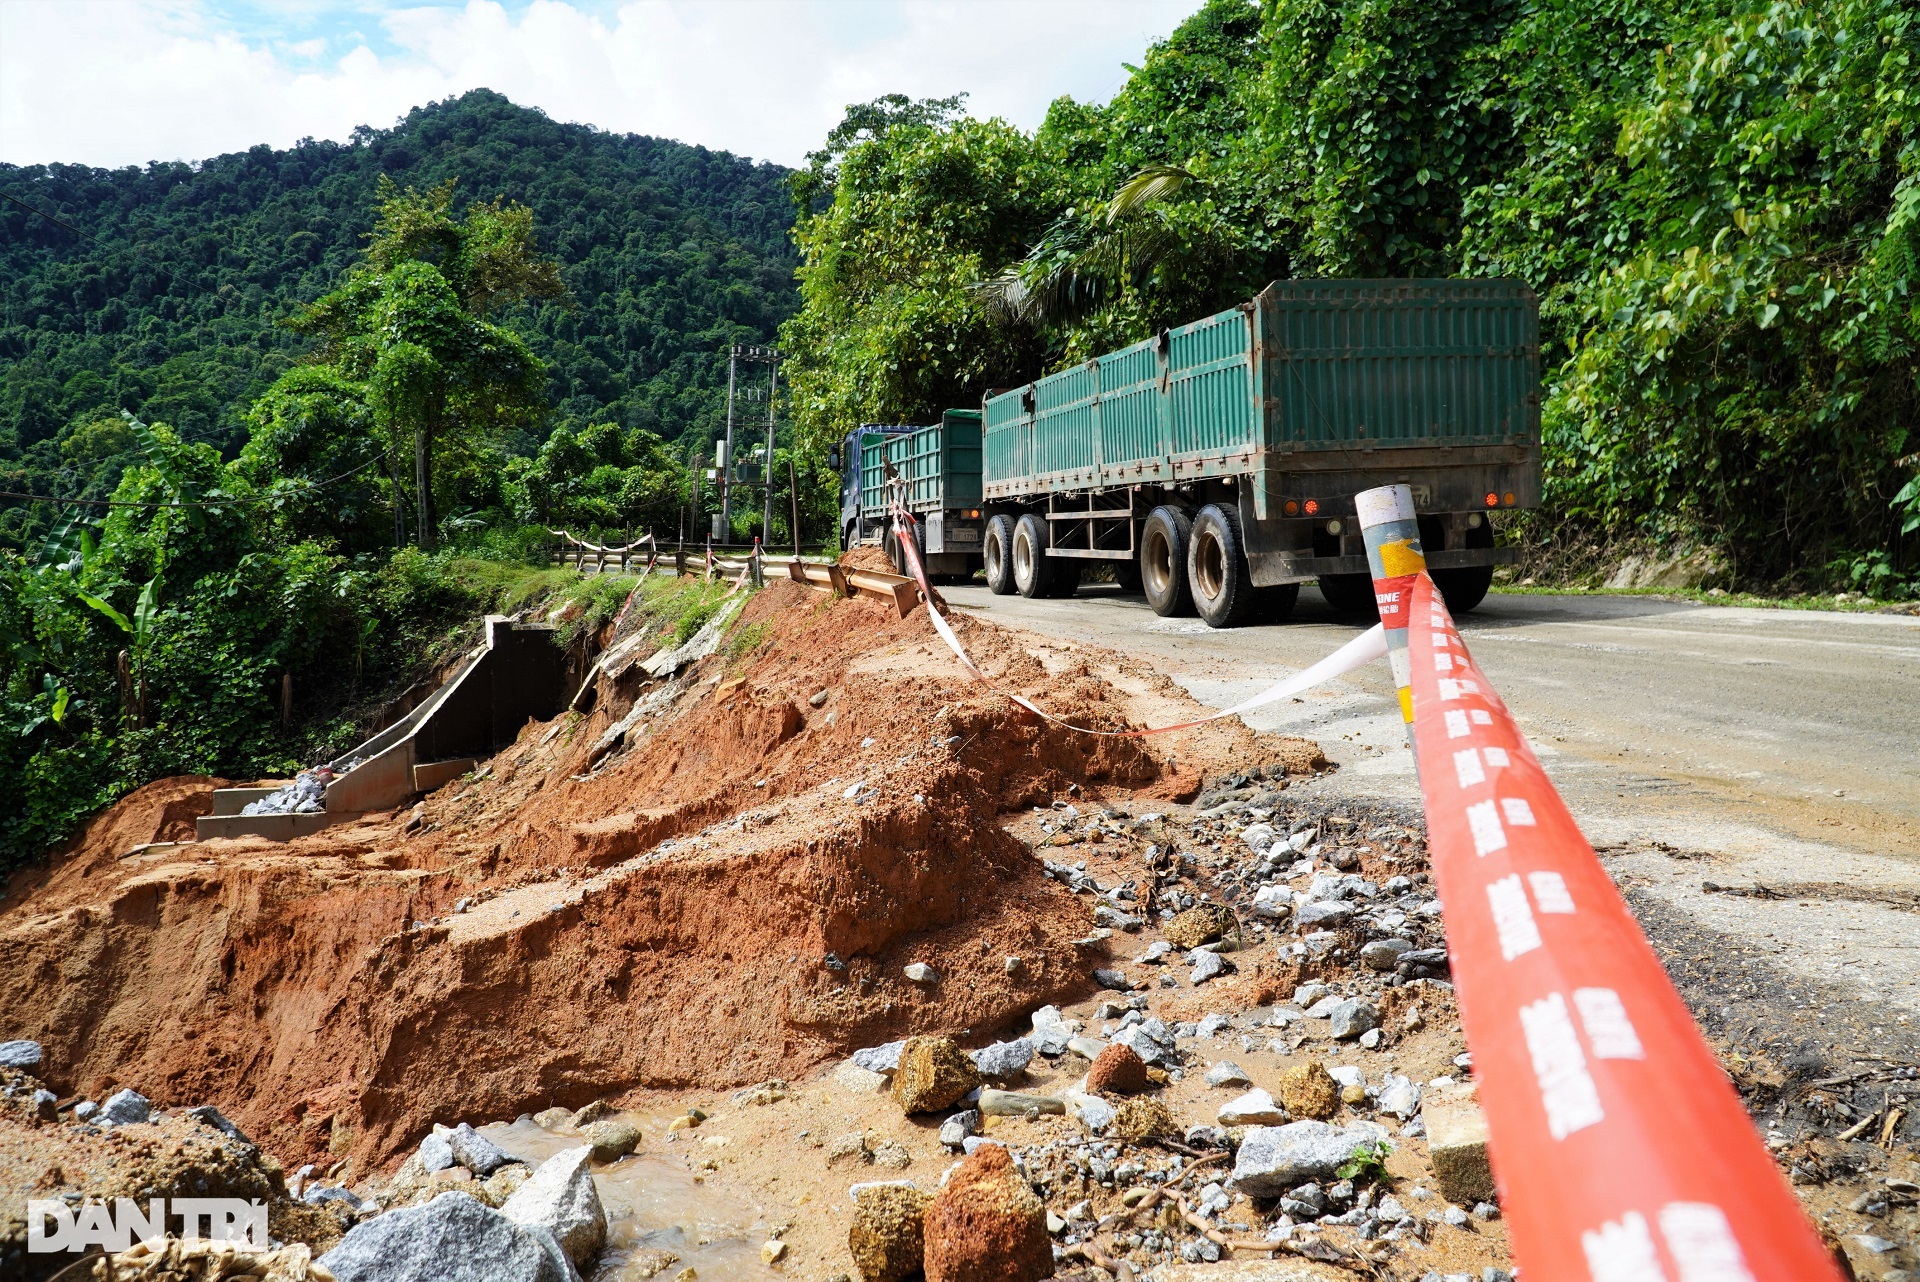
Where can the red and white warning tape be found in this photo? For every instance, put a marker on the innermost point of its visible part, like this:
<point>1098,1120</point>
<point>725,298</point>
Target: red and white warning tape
<point>1366,648</point>
<point>1620,1148</point>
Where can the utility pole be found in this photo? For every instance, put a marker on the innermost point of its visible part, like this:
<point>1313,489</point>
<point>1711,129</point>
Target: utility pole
<point>726,460</point>
<point>737,355</point>
<point>766,507</point>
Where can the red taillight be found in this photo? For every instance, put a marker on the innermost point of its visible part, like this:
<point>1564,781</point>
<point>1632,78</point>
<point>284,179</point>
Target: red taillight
<point>1313,506</point>
<point>1493,500</point>
<point>1291,508</point>
<point>1509,498</point>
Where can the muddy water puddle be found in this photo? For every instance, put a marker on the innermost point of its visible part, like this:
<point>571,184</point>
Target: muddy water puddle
<point>654,1205</point>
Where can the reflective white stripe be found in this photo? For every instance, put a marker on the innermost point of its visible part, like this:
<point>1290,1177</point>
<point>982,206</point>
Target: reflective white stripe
<point>1449,689</point>
<point>1512,918</point>
<point>1440,640</point>
<point>1466,764</point>
<point>1481,717</point>
<point>1550,892</point>
<point>1443,662</point>
<point>1496,756</point>
<point>1567,1091</point>
<point>1519,813</point>
<point>1622,1252</point>
<point>1456,724</point>
<point>1609,1031</point>
<point>1488,835</point>
<point>1702,1243</point>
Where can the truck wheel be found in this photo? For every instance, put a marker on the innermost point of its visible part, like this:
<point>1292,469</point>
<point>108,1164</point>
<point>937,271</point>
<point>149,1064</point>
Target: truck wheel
<point>1275,605</point>
<point>1217,573</point>
<point>1465,588</point>
<point>1164,537</point>
<point>1350,594</point>
<point>1063,576</point>
<point>997,552</point>
<point>1030,577</point>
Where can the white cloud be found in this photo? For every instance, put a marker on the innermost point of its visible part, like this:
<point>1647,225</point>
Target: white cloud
<point>114,82</point>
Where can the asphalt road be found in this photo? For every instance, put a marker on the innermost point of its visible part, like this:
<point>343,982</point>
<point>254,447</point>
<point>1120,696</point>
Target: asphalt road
<point>1768,749</point>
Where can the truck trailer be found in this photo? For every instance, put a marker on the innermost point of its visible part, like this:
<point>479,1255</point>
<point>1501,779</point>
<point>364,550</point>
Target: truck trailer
<point>1214,465</point>
<point>940,466</point>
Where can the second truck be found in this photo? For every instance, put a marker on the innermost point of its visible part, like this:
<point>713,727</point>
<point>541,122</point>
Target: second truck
<point>1213,466</point>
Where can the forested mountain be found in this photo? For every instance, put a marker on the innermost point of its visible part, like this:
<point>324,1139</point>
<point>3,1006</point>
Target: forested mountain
<point>167,300</point>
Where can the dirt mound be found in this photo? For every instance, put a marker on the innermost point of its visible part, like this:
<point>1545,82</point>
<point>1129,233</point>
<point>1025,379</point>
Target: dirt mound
<point>163,810</point>
<point>729,897</point>
<point>177,1156</point>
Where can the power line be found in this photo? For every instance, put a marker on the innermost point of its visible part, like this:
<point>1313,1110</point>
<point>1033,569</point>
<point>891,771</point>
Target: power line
<point>54,218</point>
<point>316,485</point>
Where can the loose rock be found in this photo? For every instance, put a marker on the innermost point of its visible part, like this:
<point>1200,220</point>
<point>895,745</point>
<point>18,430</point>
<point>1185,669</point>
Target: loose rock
<point>934,1073</point>
<point>1201,924</point>
<point>1272,1159</point>
<point>475,1151</point>
<point>1255,1108</point>
<point>986,1225</point>
<point>1352,1017</point>
<point>1142,1118</point>
<point>1228,1073</point>
<point>560,1198</point>
<point>1206,966</point>
<point>1004,1059</point>
<point>921,973</point>
<point>21,1054</point>
<point>612,1139</point>
<point>451,1239</point>
<point>1117,1070</point>
<point>1018,1104</point>
<point>1384,954</point>
<point>888,1238</point>
<point>123,1107</point>
<point>1308,1090</point>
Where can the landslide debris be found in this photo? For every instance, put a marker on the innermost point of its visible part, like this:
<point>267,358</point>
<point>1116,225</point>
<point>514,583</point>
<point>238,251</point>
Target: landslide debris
<point>728,896</point>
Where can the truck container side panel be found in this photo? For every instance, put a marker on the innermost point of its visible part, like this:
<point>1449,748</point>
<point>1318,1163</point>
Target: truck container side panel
<point>959,461</point>
<point>1009,434</point>
<point>1069,404</point>
<point>1209,374</point>
<point>1412,362</point>
<point>1131,421</point>
<point>1318,372</point>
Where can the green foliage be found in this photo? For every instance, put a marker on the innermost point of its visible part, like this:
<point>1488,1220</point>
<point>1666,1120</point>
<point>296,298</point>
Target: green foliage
<point>1367,1164</point>
<point>601,480</point>
<point>667,253</point>
<point>1718,202</point>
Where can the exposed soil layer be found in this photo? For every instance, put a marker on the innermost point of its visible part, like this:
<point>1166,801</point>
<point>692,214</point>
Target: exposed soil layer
<point>729,897</point>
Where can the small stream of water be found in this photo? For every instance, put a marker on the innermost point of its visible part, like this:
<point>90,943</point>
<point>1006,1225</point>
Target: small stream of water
<point>653,1205</point>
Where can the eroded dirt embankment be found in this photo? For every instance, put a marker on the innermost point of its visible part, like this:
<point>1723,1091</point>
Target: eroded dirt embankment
<point>731,896</point>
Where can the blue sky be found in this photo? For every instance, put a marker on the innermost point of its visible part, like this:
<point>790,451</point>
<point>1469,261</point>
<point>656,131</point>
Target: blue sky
<point>114,82</point>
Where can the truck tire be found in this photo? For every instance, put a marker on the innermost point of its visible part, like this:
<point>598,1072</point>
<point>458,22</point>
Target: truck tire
<point>997,552</point>
<point>896,557</point>
<point>1030,568</point>
<point>1217,572</point>
<point>1465,588</point>
<point>1350,595</point>
<point>1063,576</point>
<point>1127,575</point>
<point>1275,605</point>
<point>1164,537</point>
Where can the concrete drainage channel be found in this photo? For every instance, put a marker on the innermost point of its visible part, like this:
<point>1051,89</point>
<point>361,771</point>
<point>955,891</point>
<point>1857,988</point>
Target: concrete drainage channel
<point>517,675</point>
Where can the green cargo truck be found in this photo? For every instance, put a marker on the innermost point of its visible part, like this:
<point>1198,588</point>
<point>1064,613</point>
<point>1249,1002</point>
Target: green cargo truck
<point>940,465</point>
<point>1214,465</point>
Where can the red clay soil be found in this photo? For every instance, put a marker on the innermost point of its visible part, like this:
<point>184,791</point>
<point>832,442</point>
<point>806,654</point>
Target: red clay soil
<point>707,907</point>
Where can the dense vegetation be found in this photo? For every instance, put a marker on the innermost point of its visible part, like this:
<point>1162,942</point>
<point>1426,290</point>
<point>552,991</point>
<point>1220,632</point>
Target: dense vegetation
<point>280,366</point>
<point>1718,202</point>
<point>168,302</point>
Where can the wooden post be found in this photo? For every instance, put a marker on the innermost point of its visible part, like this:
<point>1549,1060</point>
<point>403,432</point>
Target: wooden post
<point>286,698</point>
